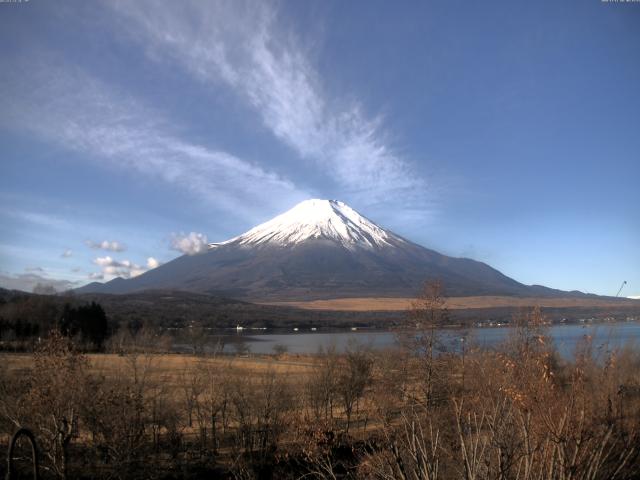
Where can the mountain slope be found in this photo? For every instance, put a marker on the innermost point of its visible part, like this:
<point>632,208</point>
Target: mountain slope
<point>320,249</point>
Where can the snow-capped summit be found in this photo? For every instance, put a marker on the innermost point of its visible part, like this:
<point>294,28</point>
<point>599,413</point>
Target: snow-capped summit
<point>318,219</point>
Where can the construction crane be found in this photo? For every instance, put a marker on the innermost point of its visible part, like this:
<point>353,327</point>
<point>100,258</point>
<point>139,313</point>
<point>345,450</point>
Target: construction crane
<point>621,287</point>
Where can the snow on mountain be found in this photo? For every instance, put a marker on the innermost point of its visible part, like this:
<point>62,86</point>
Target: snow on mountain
<point>318,219</point>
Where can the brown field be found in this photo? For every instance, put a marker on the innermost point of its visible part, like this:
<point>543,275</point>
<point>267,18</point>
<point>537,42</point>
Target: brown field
<point>452,303</point>
<point>170,368</point>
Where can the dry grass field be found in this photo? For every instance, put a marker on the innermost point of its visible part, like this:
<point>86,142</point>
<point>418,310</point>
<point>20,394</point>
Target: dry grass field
<point>171,368</point>
<point>454,303</point>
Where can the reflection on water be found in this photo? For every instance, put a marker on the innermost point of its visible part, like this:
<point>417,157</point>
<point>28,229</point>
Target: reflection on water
<point>606,336</point>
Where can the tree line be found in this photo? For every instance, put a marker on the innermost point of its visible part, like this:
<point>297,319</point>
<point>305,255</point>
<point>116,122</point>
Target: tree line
<point>25,319</point>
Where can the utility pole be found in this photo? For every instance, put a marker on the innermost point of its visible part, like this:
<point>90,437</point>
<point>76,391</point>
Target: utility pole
<point>621,287</point>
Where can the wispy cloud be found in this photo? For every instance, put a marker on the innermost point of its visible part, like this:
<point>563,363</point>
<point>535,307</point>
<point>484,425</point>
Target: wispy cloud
<point>67,253</point>
<point>36,218</point>
<point>34,269</point>
<point>64,104</point>
<point>242,45</point>
<point>109,245</point>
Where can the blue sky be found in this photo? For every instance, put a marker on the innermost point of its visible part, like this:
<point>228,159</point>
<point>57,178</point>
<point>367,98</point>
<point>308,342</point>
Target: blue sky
<point>508,132</point>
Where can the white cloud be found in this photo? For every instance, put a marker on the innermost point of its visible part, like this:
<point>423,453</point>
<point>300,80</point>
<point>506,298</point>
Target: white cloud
<point>152,263</point>
<point>67,253</point>
<point>112,268</point>
<point>105,261</point>
<point>634,297</point>
<point>242,46</point>
<point>110,245</point>
<point>65,105</point>
<point>96,276</point>
<point>190,244</point>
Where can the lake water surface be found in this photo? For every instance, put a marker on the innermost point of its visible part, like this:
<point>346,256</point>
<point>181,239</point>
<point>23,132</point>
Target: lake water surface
<point>606,336</point>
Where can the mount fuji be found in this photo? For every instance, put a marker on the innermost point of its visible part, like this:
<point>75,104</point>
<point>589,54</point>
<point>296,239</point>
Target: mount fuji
<point>320,249</point>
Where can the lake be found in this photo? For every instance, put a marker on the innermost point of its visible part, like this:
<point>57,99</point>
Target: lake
<point>606,336</point>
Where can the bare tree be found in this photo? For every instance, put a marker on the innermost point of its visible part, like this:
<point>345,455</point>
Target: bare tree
<point>57,383</point>
<point>322,386</point>
<point>213,402</point>
<point>192,387</point>
<point>428,313</point>
<point>354,376</point>
<point>262,411</point>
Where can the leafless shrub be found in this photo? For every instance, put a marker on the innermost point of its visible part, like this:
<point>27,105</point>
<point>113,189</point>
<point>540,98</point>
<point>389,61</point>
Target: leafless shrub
<point>53,399</point>
<point>138,341</point>
<point>279,349</point>
<point>124,413</point>
<point>408,449</point>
